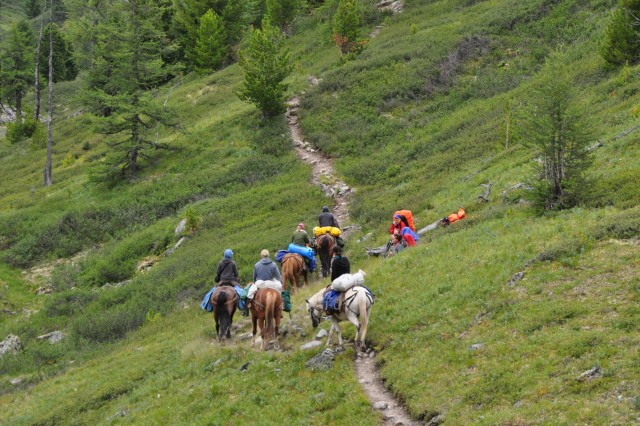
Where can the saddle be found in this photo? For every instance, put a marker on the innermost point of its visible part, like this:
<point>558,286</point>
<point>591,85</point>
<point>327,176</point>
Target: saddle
<point>297,258</point>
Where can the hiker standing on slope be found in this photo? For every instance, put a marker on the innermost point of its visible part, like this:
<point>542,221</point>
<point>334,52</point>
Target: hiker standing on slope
<point>340,264</point>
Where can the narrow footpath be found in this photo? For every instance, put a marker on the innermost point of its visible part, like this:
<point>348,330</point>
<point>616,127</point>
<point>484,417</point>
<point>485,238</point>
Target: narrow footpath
<point>323,175</point>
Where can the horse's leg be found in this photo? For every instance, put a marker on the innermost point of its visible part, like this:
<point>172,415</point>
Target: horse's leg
<point>330,335</point>
<point>336,324</point>
<point>254,320</point>
<point>353,319</point>
<point>217,327</point>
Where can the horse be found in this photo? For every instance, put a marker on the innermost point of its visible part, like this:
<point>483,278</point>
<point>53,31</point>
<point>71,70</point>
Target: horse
<point>324,246</point>
<point>224,301</point>
<point>266,309</point>
<point>292,269</point>
<point>357,303</point>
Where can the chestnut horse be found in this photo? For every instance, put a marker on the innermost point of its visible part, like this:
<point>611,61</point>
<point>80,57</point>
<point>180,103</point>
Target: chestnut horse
<point>357,304</point>
<point>324,246</point>
<point>292,269</point>
<point>266,309</point>
<point>224,301</point>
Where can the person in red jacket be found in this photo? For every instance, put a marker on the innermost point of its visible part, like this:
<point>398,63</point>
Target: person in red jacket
<point>397,225</point>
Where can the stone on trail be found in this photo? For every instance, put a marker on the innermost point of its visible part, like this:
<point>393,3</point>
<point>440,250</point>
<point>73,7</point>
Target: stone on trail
<point>322,333</point>
<point>381,405</point>
<point>182,226</point>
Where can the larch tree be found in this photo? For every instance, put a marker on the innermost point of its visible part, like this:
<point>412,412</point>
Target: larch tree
<point>16,65</point>
<point>265,62</point>
<point>622,35</point>
<point>127,64</point>
<point>211,44</point>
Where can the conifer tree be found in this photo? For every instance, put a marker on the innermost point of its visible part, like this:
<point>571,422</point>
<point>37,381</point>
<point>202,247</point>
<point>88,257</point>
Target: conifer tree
<point>128,63</point>
<point>622,35</point>
<point>211,44</point>
<point>64,66</point>
<point>265,62</point>
<point>556,127</point>
<point>346,26</point>
<point>17,64</point>
<point>282,13</point>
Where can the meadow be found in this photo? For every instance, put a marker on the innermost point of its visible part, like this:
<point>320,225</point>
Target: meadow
<point>416,121</point>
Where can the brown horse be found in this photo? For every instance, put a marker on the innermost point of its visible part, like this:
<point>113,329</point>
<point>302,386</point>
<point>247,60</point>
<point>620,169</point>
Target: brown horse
<point>224,301</point>
<point>324,246</point>
<point>266,309</point>
<point>292,269</point>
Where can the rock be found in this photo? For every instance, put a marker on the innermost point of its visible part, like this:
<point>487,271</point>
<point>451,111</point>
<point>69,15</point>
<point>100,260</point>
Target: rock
<point>437,420</point>
<point>314,81</point>
<point>515,278</point>
<point>16,381</point>
<point>43,290</point>
<point>310,345</point>
<point>245,336</point>
<point>53,337</point>
<point>322,361</point>
<point>178,244</point>
<point>10,344</point>
<point>590,374</point>
<point>145,264</point>
<point>372,354</point>
<point>322,333</point>
<point>395,6</point>
<point>381,405</point>
<point>182,226</point>
<point>518,404</point>
<point>476,346</point>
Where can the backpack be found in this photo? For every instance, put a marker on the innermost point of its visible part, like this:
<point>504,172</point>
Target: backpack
<point>408,218</point>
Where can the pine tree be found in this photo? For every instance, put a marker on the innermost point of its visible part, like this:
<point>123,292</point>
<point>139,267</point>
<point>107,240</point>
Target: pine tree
<point>346,26</point>
<point>128,63</point>
<point>556,127</point>
<point>266,63</point>
<point>211,44</point>
<point>17,64</point>
<point>32,8</point>
<point>282,13</point>
<point>622,35</point>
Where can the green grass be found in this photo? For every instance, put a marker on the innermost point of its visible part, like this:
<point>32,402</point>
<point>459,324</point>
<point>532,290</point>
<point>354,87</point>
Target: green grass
<point>415,122</point>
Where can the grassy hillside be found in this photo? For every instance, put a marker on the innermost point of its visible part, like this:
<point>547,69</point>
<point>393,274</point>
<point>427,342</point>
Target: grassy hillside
<point>417,122</point>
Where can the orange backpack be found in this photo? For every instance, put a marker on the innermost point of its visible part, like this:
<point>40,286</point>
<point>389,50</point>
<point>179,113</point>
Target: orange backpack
<point>409,216</point>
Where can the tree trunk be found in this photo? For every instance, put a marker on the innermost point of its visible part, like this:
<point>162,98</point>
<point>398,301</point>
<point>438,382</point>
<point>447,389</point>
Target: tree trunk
<point>48,176</point>
<point>36,111</point>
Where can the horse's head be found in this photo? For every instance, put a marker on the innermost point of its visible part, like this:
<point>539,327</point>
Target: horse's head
<point>315,314</point>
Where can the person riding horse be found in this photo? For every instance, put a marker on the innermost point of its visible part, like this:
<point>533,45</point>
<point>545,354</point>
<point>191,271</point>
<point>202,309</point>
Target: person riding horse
<point>227,274</point>
<point>266,270</point>
<point>301,238</point>
<point>326,218</point>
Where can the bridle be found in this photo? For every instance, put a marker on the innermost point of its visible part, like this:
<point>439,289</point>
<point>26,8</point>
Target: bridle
<point>315,319</point>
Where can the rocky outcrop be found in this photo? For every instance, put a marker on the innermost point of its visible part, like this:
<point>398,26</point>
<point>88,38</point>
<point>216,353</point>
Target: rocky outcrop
<point>10,345</point>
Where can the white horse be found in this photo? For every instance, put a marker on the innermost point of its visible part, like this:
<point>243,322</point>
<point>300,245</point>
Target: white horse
<point>357,303</point>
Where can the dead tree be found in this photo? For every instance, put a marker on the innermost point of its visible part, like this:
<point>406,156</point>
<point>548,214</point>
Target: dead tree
<point>48,175</point>
<point>36,111</point>
<point>484,197</point>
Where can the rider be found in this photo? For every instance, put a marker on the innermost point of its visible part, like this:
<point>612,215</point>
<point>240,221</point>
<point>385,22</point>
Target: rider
<point>397,244</point>
<point>301,238</point>
<point>340,264</point>
<point>226,274</point>
<point>326,218</point>
<point>267,270</point>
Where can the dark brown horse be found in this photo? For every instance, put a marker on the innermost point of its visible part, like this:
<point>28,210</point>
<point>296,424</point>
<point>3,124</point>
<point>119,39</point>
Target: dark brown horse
<point>324,246</point>
<point>224,301</point>
<point>266,309</point>
<point>292,269</point>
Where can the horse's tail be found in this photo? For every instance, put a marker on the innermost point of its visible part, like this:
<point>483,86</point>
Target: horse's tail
<point>364,314</point>
<point>269,313</point>
<point>223,315</point>
<point>325,254</point>
<point>287,274</point>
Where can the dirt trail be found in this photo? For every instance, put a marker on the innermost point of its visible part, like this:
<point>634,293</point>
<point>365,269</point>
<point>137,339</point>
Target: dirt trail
<point>322,167</point>
<point>323,175</point>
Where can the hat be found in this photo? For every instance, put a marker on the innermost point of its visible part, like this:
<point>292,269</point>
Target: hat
<point>264,253</point>
<point>301,225</point>
<point>325,209</point>
<point>228,254</point>
<point>396,216</point>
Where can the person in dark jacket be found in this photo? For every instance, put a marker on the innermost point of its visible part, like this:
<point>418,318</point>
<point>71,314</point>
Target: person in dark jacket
<point>340,264</point>
<point>227,272</point>
<point>326,218</point>
<point>266,269</point>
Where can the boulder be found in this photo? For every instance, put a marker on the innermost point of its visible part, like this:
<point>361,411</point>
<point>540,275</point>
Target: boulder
<point>310,345</point>
<point>322,361</point>
<point>182,226</point>
<point>10,344</point>
<point>53,337</point>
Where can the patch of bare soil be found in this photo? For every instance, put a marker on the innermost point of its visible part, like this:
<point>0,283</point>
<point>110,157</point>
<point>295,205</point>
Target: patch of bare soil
<point>323,175</point>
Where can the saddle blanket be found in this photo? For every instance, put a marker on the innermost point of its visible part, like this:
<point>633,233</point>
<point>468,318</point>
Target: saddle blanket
<point>206,302</point>
<point>345,281</point>
<point>331,300</point>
